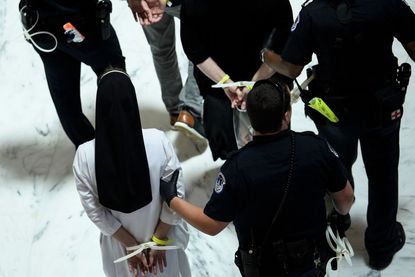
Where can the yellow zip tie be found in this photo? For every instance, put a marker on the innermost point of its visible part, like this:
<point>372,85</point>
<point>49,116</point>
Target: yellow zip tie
<point>319,105</point>
<point>224,79</point>
<point>168,3</point>
<point>249,87</point>
<point>160,241</point>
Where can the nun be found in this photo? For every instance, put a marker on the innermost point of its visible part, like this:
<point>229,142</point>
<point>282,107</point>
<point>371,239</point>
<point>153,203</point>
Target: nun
<point>117,176</point>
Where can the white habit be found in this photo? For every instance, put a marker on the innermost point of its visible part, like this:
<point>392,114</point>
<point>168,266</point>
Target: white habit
<point>162,162</point>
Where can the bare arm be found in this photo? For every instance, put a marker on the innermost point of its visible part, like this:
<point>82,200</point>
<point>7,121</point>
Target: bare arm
<point>123,236</point>
<point>213,71</point>
<point>343,199</point>
<point>196,217</point>
<point>264,72</point>
<point>279,65</point>
<point>410,48</point>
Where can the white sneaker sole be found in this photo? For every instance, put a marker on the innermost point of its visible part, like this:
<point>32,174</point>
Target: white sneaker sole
<point>188,131</point>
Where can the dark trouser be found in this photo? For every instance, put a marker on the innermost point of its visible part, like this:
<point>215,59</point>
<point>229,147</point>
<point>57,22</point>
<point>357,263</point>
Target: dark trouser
<point>63,70</point>
<point>218,124</point>
<point>302,258</point>
<point>380,153</point>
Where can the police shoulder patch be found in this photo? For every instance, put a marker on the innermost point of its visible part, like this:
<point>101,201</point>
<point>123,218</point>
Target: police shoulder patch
<point>220,182</point>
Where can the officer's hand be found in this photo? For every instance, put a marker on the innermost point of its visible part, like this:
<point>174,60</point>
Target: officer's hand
<point>168,190</point>
<point>339,222</point>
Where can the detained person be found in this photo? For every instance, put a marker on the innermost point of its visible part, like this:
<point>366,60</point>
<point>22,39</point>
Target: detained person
<point>117,175</point>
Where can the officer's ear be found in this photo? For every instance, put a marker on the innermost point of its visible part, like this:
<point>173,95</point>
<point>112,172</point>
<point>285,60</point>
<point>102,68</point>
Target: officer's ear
<point>287,118</point>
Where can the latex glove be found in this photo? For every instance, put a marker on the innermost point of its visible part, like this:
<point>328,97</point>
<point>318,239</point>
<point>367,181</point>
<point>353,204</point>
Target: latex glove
<point>339,222</point>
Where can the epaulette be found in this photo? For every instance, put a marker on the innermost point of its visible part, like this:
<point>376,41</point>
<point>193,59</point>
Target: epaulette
<point>306,3</point>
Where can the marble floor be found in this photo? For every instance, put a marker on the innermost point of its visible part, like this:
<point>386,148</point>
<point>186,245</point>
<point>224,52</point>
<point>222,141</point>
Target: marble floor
<point>44,231</point>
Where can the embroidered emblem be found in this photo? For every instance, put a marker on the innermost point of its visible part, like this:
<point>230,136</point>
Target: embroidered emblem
<point>332,150</point>
<point>220,183</point>
<point>396,114</point>
<point>297,20</point>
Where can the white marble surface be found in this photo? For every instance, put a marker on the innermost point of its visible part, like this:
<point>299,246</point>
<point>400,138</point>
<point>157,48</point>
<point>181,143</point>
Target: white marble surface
<point>44,231</point>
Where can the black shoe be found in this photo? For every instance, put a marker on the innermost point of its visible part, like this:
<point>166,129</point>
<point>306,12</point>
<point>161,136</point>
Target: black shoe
<point>380,262</point>
<point>190,125</point>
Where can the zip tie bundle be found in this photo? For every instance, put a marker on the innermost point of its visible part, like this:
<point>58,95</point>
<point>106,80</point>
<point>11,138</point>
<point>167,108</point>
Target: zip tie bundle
<point>342,248</point>
<point>296,92</point>
<point>143,246</point>
<point>29,37</point>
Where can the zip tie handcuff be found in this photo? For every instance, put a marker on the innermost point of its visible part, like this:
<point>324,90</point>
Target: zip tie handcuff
<point>143,246</point>
<point>341,247</point>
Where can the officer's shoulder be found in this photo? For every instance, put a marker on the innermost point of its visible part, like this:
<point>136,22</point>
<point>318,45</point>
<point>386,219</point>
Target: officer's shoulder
<point>308,135</point>
<point>233,155</point>
<point>307,2</point>
<point>311,5</point>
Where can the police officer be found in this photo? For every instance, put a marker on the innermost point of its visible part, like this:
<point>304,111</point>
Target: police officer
<point>64,34</point>
<point>273,189</point>
<point>358,77</point>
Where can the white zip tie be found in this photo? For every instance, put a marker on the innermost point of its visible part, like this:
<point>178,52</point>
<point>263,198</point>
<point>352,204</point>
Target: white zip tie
<point>112,71</point>
<point>141,247</point>
<point>29,37</point>
<point>234,84</point>
<point>341,247</point>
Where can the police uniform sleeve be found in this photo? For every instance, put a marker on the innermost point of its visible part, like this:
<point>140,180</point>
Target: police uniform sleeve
<point>337,174</point>
<point>298,50</point>
<point>222,205</point>
<point>283,21</point>
<point>193,30</point>
<point>404,22</point>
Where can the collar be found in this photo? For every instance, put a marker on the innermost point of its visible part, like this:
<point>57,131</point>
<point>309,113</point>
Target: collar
<point>270,138</point>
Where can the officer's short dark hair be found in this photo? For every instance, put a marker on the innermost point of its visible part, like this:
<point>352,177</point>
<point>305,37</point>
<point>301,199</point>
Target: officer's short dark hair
<point>266,105</point>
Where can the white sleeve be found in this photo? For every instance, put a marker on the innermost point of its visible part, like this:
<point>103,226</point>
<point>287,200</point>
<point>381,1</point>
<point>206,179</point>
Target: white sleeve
<point>172,163</point>
<point>99,215</point>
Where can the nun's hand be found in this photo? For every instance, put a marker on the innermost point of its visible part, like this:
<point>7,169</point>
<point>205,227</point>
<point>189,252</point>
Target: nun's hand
<point>168,190</point>
<point>157,258</point>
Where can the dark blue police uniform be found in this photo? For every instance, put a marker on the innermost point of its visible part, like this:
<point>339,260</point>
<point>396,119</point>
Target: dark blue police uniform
<point>357,77</point>
<point>63,65</point>
<point>251,184</point>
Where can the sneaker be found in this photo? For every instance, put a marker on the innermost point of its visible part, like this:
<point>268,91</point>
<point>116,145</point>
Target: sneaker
<point>380,262</point>
<point>190,125</point>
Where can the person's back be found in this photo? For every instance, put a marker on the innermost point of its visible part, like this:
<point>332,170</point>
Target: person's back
<point>352,40</point>
<point>272,189</point>
<point>258,175</point>
<point>142,222</point>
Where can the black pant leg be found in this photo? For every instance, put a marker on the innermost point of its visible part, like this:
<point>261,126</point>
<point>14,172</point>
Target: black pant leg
<point>218,124</point>
<point>62,69</point>
<point>63,77</point>
<point>380,152</point>
<point>97,53</point>
<point>344,139</point>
